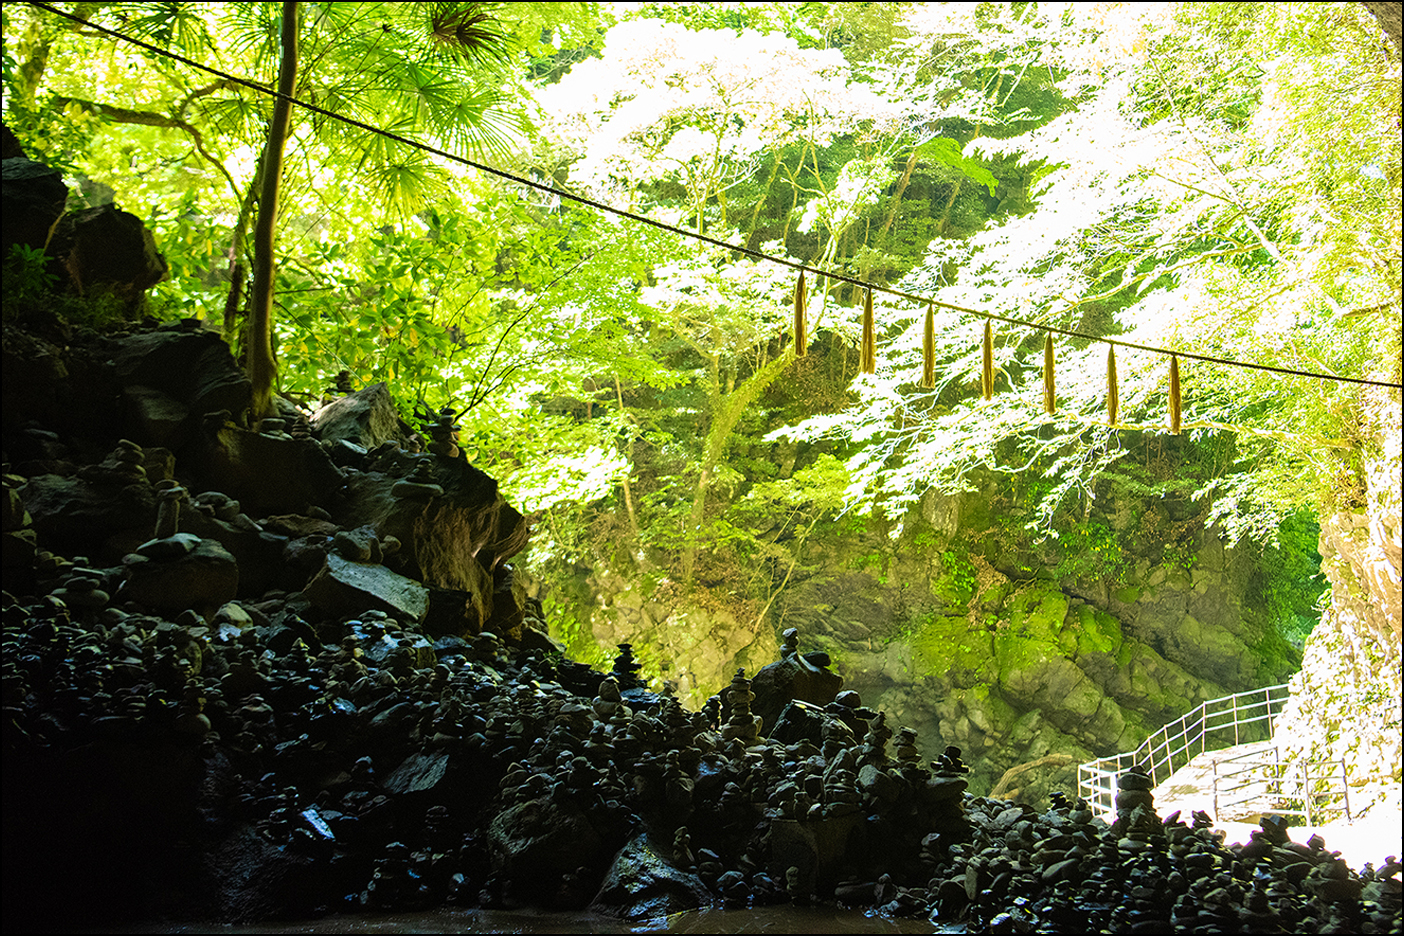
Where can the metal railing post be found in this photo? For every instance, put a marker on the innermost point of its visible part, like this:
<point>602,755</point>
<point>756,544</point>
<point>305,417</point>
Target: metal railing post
<point>1235,719</point>
<point>1307,794</point>
<point>1345,789</point>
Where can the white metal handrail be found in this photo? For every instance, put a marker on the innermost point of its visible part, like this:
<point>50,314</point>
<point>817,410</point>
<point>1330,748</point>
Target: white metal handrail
<point>1230,720</point>
<point>1269,784</point>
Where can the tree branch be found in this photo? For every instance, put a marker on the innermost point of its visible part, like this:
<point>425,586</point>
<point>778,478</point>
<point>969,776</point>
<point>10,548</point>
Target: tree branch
<point>151,119</point>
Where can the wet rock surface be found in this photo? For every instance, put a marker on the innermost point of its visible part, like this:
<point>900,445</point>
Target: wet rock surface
<point>182,744</point>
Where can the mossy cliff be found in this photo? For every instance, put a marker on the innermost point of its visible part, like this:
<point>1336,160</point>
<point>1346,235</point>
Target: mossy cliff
<point>963,626</point>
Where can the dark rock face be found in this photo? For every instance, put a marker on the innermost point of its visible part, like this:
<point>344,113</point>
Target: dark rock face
<point>269,474</point>
<point>77,517</point>
<point>33,199</point>
<point>169,371</point>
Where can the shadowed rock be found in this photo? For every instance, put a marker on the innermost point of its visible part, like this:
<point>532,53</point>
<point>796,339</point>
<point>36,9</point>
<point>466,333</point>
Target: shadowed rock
<point>366,418</point>
<point>642,884</point>
<point>344,587</point>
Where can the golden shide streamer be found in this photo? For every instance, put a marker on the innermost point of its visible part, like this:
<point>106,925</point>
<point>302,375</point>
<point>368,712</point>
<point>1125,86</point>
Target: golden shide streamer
<point>1112,401</point>
<point>1175,394</point>
<point>928,350</point>
<point>801,338</point>
<point>1050,401</point>
<point>987,365</point>
<point>868,354</point>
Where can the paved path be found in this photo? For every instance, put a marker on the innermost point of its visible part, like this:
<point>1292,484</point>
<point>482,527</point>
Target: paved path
<point>1192,786</point>
<point>1367,838</point>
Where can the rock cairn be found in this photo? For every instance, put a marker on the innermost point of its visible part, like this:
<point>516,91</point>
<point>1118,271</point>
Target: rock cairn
<point>742,726</point>
<point>226,710</point>
<point>443,433</point>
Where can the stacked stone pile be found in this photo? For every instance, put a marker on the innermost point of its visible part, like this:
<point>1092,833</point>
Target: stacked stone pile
<point>254,673</point>
<point>234,770</point>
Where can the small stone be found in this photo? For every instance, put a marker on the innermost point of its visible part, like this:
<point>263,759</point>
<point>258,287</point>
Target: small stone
<point>168,547</point>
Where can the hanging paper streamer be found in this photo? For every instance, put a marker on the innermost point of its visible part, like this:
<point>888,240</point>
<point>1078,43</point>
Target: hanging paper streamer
<point>928,350</point>
<point>1175,394</point>
<point>1112,401</point>
<point>1049,398</point>
<point>801,338</point>
<point>987,365</point>
<point>867,356</point>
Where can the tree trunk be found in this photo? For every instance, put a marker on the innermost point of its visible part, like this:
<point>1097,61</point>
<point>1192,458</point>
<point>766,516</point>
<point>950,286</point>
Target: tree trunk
<point>724,420</point>
<point>263,370</point>
<point>1007,780</point>
<point>629,454</point>
<point>902,184</point>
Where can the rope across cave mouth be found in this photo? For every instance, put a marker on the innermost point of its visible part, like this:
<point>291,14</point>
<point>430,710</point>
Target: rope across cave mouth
<point>741,249</point>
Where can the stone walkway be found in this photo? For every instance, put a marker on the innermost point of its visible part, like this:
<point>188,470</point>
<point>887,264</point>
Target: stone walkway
<point>1365,838</point>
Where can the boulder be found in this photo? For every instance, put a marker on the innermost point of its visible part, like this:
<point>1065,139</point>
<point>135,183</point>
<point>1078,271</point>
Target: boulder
<point>173,367</point>
<point>798,721</point>
<point>348,588</point>
<point>366,418</point>
<point>204,577</point>
<point>260,554</point>
<point>793,677</point>
<point>817,849</point>
<point>105,249</point>
<point>540,840</point>
<point>267,474</point>
<point>642,885</point>
<point>9,144</point>
<point>462,530</point>
<point>71,514</point>
<point>421,772</point>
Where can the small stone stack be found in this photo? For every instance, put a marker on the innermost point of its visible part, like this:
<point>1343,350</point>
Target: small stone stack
<point>791,647</point>
<point>875,741</point>
<point>626,668</point>
<point>945,791</point>
<point>125,466</point>
<point>1135,806</point>
<point>742,726</point>
<point>609,705</point>
<point>80,591</point>
<point>168,497</point>
<point>274,426</point>
<point>444,434</point>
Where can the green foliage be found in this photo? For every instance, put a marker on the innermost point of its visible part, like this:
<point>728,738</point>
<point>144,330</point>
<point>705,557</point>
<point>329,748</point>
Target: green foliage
<point>1223,179</point>
<point>27,277</point>
<point>958,583</point>
<point>31,294</point>
<point>1091,552</point>
<point>1251,267</point>
<point>947,152</point>
<point>573,633</point>
<point>1293,588</point>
